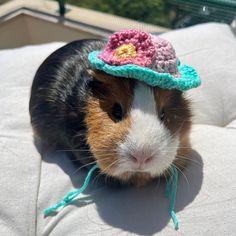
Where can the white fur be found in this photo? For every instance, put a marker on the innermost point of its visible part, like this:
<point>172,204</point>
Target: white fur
<point>147,134</point>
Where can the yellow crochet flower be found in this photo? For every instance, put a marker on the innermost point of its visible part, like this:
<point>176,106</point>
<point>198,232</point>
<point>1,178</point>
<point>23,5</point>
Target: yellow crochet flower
<point>125,51</point>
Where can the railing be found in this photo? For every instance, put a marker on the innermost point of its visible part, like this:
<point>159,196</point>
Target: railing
<point>62,9</point>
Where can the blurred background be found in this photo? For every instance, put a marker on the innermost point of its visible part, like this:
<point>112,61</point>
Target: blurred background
<point>167,13</point>
<point>25,22</point>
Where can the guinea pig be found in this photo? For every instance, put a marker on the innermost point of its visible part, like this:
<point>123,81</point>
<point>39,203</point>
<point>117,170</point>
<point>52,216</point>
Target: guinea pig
<point>133,131</point>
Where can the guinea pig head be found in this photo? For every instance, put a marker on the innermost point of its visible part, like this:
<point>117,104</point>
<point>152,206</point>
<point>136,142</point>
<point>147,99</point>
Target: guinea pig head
<point>135,131</point>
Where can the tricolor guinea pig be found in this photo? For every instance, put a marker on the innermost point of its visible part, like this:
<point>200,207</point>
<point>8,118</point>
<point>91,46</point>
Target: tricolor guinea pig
<point>119,104</point>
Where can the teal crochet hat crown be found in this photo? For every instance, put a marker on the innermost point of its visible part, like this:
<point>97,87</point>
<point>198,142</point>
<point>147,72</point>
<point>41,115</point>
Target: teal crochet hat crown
<point>145,57</point>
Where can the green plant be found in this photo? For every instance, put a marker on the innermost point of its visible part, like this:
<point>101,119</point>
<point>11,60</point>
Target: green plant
<point>149,11</point>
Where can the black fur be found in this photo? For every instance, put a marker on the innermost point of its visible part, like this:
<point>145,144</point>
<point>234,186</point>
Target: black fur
<point>58,95</point>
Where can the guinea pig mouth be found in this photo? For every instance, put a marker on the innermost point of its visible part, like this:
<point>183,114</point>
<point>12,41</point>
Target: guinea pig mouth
<point>154,167</point>
<point>138,178</point>
<point>138,171</point>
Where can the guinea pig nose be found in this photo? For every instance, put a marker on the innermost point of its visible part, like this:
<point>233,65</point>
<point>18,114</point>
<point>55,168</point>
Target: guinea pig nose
<point>141,158</point>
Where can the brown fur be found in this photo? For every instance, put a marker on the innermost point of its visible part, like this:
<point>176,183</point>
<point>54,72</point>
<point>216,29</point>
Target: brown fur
<point>104,133</point>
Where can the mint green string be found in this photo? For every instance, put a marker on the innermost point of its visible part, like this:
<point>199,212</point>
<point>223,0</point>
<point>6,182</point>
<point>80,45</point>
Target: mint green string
<point>171,189</point>
<point>73,194</point>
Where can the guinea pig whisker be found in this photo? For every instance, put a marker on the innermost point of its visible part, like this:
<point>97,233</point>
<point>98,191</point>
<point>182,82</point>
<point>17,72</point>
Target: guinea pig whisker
<point>107,156</point>
<point>177,131</point>
<point>169,172</point>
<point>72,150</point>
<point>189,159</point>
<point>106,179</point>
<point>84,151</point>
<point>179,165</point>
<point>78,135</point>
<point>109,166</point>
<point>83,158</point>
<point>103,171</point>
<point>181,172</point>
<point>85,165</point>
<point>175,109</point>
<point>88,164</point>
<point>166,176</point>
<point>185,147</point>
<point>176,148</point>
<point>96,178</point>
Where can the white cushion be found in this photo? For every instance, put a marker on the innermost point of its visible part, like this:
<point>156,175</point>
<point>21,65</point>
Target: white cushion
<point>211,48</point>
<point>20,162</point>
<point>205,202</point>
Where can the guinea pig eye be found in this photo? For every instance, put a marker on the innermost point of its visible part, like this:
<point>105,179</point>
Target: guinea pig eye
<point>162,115</point>
<point>117,112</point>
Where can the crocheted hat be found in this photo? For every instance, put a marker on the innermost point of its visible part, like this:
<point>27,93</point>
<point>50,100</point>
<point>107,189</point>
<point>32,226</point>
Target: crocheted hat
<point>145,57</point>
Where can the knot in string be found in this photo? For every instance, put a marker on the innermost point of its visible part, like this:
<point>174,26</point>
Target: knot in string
<point>73,194</point>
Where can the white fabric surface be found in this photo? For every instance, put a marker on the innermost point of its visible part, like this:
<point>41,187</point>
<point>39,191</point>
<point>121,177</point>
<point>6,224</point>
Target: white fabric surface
<point>205,204</point>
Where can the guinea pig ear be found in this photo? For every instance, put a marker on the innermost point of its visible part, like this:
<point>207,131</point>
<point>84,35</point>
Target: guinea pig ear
<point>178,92</point>
<point>97,75</point>
<point>91,72</point>
<point>97,85</point>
